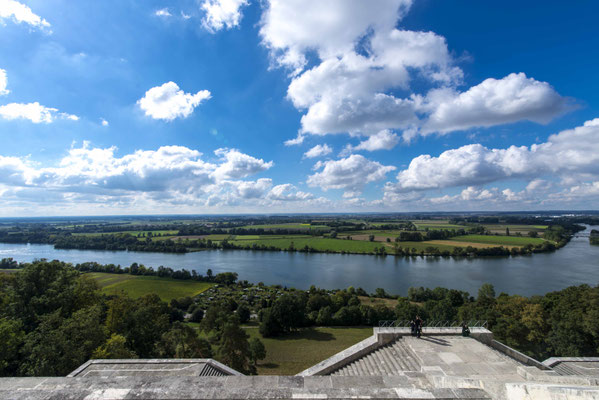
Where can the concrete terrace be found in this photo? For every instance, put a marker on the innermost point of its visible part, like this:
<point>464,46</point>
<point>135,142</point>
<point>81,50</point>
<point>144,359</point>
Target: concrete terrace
<point>391,364</point>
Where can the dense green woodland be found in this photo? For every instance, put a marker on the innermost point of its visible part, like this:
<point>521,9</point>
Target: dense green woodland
<point>53,318</point>
<point>594,237</point>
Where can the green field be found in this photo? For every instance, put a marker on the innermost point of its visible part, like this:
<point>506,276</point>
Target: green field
<point>320,244</point>
<point>293,353</point>
<point>498,240</point>
<point>375,232</point>
<point>435,224</point>
<point>420,246</point>
<point>523,229</point>
<point>278,226</point>
<point>134,233</point>
<point>137,286</point>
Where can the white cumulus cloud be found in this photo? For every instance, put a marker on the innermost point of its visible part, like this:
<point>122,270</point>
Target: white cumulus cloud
<point>350,174</point>
<point>362,65</point>
<point>318,151</point>
<point>570,153</point>
<point>237,165</point>
<point>34,112</point>
<point>492,102</point>
<point>167,102</point>
<point>288,192</point>
<point>20,13</point>
<point>384,140</point>
<point>221,14</point>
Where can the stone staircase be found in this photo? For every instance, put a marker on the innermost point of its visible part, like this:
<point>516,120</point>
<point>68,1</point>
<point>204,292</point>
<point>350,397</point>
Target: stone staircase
<point>565,370</point>
<point>392,359</point>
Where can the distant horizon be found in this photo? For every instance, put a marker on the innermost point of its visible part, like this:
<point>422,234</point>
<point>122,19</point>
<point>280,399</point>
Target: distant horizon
<point>307,214</point>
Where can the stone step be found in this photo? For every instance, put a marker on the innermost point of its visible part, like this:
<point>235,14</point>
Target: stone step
<point>391,360</point>
<point>397,354</point>
<point>382,363</point>
<point>372,368</point>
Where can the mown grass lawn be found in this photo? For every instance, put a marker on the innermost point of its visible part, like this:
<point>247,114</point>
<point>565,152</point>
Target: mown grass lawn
<point>136,286</point>
<point>498,240</point>
<point>293,353</point>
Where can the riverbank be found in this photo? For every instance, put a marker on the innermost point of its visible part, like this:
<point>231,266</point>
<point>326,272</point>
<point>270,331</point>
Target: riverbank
<point>574,264</point>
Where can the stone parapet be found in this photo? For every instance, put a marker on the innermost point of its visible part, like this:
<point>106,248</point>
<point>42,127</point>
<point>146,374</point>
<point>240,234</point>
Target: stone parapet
<point>226,388</point>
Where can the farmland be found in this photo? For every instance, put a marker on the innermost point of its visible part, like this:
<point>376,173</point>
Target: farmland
<point>457,236</point>
<point>136,286</point>
<point>498,240</point>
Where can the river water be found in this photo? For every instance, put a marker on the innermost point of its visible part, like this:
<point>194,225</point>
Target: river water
<point>574,264</point>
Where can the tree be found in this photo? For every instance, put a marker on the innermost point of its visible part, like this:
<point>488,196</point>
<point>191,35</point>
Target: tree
<point>197,315</point>
<point>533,234</point>
<point>234,349</point>
<point>325,316</point>
<point>36,281</point>
<point>182,341</point>
<point>143,323</point>
<point>371,238</point>
<point>406,311</point>
<point>12,334</point>
<point>507,231</point>
<point>243,312</point>
<point>270,325</point>
<point>486,294</point>
<point>215,317</point>
<point>60,345</point>
<point>114,348</point>
<point>257,350</point>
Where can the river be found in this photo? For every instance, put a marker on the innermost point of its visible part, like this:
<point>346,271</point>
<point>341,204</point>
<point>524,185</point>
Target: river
<point>574,264</point>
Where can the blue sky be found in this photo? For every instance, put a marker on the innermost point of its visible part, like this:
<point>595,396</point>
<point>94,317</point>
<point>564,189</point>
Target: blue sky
<point>217,106</point>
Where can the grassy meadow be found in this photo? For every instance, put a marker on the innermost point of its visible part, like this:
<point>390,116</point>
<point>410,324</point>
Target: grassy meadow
<point>498,240</point>
<point>136,286</point>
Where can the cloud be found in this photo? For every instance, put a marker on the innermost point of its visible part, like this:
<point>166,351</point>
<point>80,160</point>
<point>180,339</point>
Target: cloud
<point>164,12</point>
<point>299,139</point>
<point>168,102</point>
<point>169,168</point>
<point>104,122</point>
<point>493,102</point>
<point>351,173</point>
<point>288,192</point>
<point>20,13</point>
<point>384,140</point>
<point>361,68</point>
<point>222,14</point>
<point>3,83</point>
<point>291,28</point>
<point>237,165</point>
<point>34,112</point>
<point>318,151</point>
<point>573,152</point>
<point>252,189</point>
